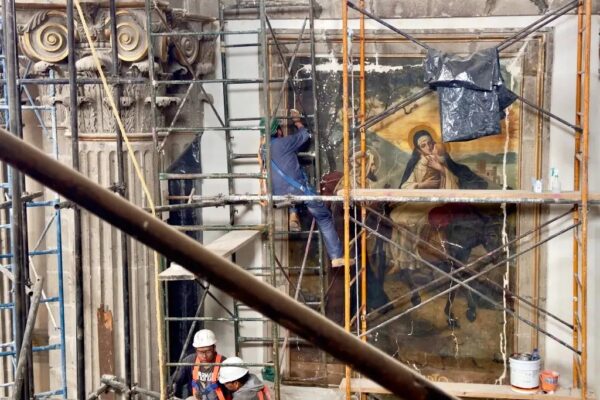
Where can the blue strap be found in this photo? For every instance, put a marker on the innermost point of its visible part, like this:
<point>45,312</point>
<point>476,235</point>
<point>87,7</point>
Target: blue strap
<point>307,190</point>
<point>210,388</point>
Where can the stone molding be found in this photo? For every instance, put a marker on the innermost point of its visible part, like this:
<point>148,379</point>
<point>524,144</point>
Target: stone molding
<point>43,39</point>
<point>43,34</point>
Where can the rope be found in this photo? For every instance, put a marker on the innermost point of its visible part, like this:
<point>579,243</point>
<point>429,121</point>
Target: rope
<point>506,277</point>
<point>148,195</point>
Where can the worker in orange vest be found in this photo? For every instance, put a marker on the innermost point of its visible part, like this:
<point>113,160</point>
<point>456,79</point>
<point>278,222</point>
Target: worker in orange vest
<point>198,379</point>
<point>240,382</point>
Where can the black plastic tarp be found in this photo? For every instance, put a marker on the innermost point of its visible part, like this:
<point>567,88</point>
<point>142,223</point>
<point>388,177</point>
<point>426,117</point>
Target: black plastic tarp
<point>471,92</point>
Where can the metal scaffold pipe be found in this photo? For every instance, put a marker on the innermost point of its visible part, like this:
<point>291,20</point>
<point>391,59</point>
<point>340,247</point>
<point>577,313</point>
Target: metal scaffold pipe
<point>18,217</point>
<point>77,239</point>
<point>123,239</point>
<point>26,341</point>
<point>225,275</point>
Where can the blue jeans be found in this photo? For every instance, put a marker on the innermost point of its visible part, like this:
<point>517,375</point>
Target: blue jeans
<point>324,219</point>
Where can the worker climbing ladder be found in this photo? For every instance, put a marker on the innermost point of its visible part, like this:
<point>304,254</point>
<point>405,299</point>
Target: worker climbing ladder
<point>185,188</point>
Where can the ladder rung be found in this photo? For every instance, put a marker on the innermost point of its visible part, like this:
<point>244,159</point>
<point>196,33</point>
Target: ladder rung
<point>191,129</point>
<point>289,269</point>
<point>217,319</point>
<point>244,119</point>
<point>237,156</point>
<point>217,175</point>
<point>297,233</point>
<point>221,81</point>
<point>227,46</point>
<point>211,33</point>
<point>246,339</point>
<point>200,228</point>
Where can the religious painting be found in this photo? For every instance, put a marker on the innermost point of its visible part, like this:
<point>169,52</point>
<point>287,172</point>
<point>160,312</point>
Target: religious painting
<point>438,284</point>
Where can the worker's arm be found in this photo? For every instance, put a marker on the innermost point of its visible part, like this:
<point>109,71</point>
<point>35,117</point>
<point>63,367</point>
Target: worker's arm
<point>296,140</point>
<point>182,380</point>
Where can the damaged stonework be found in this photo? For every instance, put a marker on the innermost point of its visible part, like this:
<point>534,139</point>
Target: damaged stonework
<point>42,36</point>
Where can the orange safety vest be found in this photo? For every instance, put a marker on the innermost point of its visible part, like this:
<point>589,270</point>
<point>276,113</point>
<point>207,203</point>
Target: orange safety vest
<point>263,394</point>
<point>213,379</point>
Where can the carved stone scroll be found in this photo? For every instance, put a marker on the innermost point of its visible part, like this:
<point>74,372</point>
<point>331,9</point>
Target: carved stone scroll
<point>187,49</point>
<point>45,36</point>
<point>132,38</point>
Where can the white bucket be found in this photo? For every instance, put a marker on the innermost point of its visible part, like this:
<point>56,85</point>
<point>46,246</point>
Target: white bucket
<point>525,374</point>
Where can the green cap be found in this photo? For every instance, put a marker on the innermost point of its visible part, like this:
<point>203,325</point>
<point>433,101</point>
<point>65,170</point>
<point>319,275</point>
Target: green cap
<point>274,125</point>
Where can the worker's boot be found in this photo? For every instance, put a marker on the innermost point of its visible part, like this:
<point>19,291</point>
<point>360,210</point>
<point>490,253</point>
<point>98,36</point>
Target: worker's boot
<point>294,222</point>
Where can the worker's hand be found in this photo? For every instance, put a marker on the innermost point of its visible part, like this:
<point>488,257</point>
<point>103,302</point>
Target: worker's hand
<point>296,118</point>
<point>295,114</point>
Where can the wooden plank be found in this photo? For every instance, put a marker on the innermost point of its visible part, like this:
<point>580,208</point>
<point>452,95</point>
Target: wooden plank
<point>469,196</point>
<point>472,390</point>
<point>224,246</point>
<point>176,272</point>
<point>232,241</point>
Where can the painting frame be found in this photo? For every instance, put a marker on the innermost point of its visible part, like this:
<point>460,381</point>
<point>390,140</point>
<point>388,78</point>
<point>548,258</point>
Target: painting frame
<point>533,135</point>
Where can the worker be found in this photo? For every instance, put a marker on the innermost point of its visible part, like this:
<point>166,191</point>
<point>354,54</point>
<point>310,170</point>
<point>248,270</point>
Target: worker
<point>288,177</point>
<point>201,381</point>
<point>240,382</point>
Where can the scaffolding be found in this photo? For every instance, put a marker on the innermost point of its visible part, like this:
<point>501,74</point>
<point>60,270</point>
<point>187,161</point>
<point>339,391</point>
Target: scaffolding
<point>275,270</point>
<point>19,270</point>
<point>355,196</point>
<point>272,94</point>
<point>580,198</point>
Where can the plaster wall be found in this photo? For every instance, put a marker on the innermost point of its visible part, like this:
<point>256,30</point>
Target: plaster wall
<point>331,9</point>
<point>244,102</point>
<point>450,8</point>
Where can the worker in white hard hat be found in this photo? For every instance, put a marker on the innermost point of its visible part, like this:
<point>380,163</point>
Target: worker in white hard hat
<point>242,384</point>
<point>200,381</point>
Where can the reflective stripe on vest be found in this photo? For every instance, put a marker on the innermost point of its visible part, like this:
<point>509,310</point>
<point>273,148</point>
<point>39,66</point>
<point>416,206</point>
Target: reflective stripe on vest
<point>213,379</point>
<point>263,394</point>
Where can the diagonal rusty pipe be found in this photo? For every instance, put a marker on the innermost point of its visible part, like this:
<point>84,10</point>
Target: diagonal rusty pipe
<point>222,273</point>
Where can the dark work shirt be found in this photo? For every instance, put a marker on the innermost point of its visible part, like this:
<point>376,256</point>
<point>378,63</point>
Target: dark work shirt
<point>284,152</point>
<point>183,379</point>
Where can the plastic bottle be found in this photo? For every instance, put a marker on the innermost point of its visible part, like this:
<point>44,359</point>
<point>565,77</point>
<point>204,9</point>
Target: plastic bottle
<point>554,181</point>
<point>535,355</point>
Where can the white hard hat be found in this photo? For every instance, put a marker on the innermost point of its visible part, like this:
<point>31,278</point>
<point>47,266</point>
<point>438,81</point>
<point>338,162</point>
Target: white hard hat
<point>204,338</point>
<point>231,370</point>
